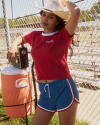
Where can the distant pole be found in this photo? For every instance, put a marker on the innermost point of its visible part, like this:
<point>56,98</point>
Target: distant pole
<point>43,2</point>
<point>7,34</point>
<point>12,9</point>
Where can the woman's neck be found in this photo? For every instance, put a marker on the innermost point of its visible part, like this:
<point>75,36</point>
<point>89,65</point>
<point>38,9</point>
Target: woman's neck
<point>49,31</point>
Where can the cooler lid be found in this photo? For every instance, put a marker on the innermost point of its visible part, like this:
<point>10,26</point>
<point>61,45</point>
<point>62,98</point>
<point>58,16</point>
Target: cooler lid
<point>14,71</point>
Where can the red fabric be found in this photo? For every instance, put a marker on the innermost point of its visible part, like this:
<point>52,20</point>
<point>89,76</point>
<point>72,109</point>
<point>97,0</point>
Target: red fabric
<point>50,54</point>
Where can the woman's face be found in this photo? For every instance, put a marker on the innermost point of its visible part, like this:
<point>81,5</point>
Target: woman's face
<point>48,22</point>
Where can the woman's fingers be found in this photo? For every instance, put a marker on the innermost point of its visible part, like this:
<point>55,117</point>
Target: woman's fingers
<point>63,2</point>
<point>10,56</point>
<point>15,55</point>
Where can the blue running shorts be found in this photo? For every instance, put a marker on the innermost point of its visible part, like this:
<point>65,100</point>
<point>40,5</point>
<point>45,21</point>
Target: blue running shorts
<point>58,95</point>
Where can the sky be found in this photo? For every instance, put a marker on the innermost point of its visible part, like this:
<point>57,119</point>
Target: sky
<point>26,7</point>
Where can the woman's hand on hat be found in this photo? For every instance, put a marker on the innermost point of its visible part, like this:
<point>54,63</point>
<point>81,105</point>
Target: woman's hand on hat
<point>12,52</point>
<point>64,2</point>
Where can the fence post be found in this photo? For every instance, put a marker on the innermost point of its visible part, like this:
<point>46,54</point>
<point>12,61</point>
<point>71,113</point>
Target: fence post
<point>7,34</point>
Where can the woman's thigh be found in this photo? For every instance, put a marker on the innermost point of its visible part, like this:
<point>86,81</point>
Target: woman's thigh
<point>42,117</point>
<point>68,117</point>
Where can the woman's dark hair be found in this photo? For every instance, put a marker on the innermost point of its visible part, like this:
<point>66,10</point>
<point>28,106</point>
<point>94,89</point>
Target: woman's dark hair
<point>61,22</point>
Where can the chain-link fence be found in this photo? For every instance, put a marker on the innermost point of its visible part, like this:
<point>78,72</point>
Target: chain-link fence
<point>84,52</point>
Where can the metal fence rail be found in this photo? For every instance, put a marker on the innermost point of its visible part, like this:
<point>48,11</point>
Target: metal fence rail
<point>21,17</point>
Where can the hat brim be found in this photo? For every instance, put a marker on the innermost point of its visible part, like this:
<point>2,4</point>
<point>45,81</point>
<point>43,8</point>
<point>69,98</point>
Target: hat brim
<point>62,14</point>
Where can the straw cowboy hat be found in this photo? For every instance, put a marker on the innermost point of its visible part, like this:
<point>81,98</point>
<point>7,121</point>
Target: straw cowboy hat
<point>55,7</point>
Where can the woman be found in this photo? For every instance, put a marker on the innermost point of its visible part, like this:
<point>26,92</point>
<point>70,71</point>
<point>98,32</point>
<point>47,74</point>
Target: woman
<point>58,91</point>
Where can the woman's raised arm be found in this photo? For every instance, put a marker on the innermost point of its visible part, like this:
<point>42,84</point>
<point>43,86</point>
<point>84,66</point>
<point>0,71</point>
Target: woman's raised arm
<point>72,23</point>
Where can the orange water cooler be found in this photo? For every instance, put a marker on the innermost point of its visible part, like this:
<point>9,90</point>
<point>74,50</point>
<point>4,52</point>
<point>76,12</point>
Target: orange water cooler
<point>17,91</point>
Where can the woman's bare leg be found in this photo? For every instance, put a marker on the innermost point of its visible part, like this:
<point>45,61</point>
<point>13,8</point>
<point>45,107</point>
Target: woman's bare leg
<point>68,117</point>
<point>42,117</point>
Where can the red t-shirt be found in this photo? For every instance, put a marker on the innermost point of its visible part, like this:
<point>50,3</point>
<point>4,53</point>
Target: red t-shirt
<point>49,52</point>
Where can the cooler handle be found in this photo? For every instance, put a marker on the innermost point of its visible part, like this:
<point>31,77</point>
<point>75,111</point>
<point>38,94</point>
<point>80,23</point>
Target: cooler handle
<point>23,84</point>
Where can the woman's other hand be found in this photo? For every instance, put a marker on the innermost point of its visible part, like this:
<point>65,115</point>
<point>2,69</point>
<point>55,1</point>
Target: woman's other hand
<point>12,52</point>
<point>13,49</point>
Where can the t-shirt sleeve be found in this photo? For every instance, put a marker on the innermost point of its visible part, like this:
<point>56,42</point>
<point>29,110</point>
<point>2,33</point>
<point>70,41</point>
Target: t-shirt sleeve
<point>29,38</point>
<point>67,34</point>
<point>66,39</point>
